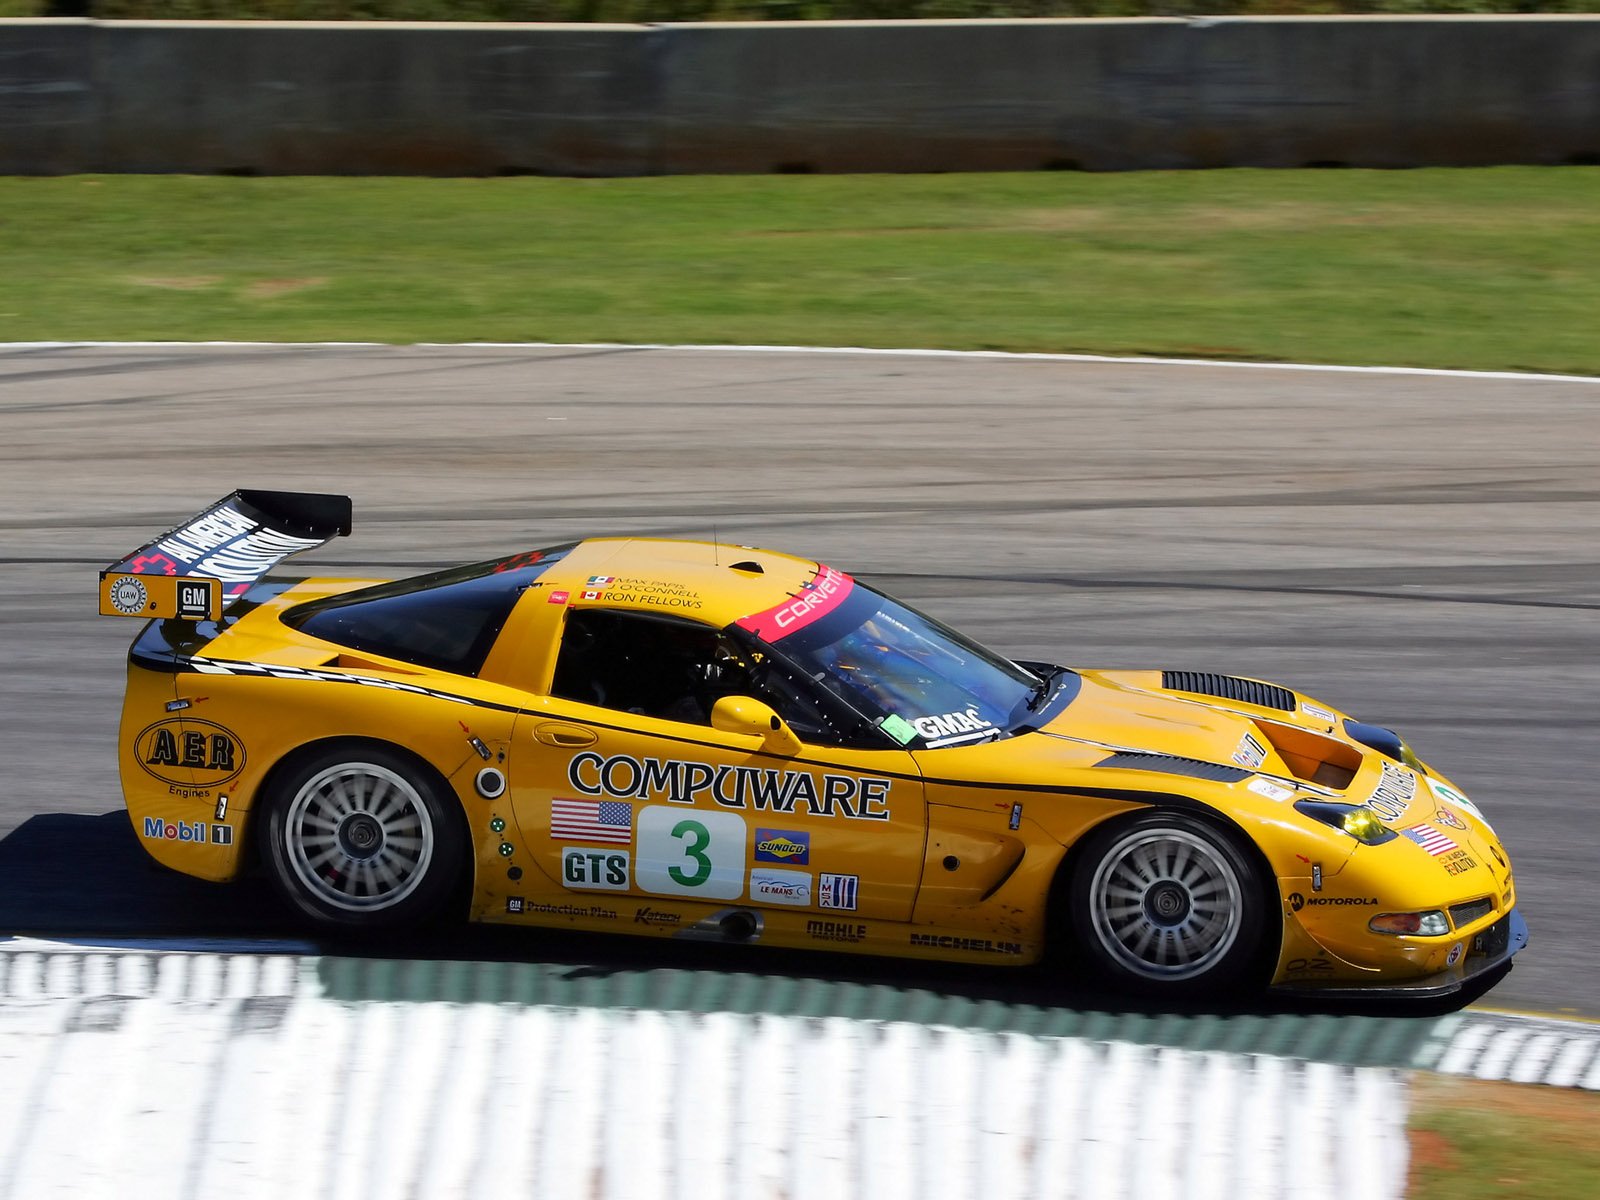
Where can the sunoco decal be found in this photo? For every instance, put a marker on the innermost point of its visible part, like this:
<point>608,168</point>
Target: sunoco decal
<point>189,753</point>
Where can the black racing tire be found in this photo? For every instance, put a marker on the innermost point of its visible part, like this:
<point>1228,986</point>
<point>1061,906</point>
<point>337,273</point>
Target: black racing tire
<point>360,837</point>
<point>1168,904</point>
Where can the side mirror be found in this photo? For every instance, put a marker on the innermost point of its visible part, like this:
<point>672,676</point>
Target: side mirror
<point>745,714</point>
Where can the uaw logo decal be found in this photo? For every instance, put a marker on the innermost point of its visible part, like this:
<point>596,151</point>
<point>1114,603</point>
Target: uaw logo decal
<point>189,753</point>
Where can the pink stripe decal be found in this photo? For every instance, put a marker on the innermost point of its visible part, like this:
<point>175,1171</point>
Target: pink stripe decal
<point>826,591</point>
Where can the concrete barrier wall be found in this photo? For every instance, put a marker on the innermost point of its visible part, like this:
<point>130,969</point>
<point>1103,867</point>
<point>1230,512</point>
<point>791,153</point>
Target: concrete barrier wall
<point>198,1076</point>
<point>863,96</point>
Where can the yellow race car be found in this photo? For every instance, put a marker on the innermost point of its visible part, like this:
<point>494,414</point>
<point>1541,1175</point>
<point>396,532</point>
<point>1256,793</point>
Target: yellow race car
<point>698,740</point>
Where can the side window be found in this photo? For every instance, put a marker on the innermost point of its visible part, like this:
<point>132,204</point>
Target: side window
<point>814,715</point>
<point>639,663</point>
<point>675,669</point>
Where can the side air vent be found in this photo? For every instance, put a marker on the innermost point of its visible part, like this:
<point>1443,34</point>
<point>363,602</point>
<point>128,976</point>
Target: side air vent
<point>1171,764</point>
<point>1230,687</point>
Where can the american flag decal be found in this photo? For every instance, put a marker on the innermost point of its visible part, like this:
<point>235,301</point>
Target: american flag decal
<point>1431,838</point>
<point>591,820</point>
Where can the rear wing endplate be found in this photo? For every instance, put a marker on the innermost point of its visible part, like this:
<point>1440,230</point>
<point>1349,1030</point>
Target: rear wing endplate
<point>195,570</point>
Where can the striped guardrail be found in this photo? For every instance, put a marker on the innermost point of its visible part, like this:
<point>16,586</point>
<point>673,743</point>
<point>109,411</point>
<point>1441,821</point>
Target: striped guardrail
<point>203,1074</point>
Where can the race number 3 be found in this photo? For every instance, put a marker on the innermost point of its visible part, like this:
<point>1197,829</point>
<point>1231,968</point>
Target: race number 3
<point>688,853</point>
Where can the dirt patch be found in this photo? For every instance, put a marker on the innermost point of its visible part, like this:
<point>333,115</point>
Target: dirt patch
<point>265,289</point>
<point>177,283</point>
<point>1472,1138</point>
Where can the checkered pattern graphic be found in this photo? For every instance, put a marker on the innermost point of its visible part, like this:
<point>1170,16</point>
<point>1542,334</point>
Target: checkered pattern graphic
<point>217,666</point>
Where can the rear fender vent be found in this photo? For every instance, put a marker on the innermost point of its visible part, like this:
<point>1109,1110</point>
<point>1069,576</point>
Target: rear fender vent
<point>1172,764</point>
<point>1230,687</point>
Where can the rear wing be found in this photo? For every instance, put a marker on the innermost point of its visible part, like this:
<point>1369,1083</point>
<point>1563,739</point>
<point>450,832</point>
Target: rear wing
<point>195,570</point>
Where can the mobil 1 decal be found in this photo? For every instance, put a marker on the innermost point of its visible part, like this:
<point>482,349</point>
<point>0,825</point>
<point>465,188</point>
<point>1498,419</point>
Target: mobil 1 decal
<point>697,853</point>
<point>189,753</point>
<point>762,789</point>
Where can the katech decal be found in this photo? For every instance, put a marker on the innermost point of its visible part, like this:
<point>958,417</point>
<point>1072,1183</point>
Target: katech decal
<point>1317,711</point>
<point>1393,794</point>
<point>761,788</point>
<point>783,845</point>
<point>189,753</point>
<point>818,597</point>
<point>583,868</point>
<point>768,886</point>
<point>654,916</point>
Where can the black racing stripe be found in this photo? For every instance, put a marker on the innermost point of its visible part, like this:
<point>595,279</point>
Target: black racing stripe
<point>1172,764</point>
<point>249,670</point>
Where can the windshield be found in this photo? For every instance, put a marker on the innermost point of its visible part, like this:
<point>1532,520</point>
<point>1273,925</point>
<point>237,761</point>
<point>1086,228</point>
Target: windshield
<point>913,677</point>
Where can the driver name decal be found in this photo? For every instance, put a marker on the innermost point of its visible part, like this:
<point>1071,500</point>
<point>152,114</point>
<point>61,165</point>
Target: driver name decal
<point>763,789</point>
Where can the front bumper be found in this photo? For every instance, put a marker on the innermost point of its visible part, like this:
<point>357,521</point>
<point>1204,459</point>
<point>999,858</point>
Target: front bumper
<point>1491,950</point>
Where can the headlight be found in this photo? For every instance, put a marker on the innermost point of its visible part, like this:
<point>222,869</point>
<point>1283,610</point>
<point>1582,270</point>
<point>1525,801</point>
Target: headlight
<point>1360,823</point>
<point>1427,924</point>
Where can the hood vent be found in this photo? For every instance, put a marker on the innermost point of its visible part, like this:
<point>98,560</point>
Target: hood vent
<point>1229,687</point>
<point>1172,764</point>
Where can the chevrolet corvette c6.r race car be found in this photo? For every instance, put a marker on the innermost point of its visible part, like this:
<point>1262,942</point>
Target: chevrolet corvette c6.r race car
<point>696,740</point>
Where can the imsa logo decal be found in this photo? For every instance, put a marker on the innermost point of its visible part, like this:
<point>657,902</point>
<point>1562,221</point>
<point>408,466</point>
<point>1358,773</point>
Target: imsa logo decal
<point>189,753</point>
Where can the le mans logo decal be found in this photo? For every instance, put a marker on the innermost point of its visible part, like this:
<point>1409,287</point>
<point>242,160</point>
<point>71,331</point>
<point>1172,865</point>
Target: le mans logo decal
<point>189,753</point>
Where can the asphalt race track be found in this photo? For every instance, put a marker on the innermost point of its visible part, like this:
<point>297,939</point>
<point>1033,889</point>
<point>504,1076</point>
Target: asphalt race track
<point>1423,551</point>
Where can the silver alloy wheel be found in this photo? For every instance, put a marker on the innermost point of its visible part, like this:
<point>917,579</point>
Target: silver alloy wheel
<point>1166,903</point>
<point>359,837</point>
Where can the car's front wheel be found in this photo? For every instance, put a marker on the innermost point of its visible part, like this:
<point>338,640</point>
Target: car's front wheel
<point>1167,903</point>
<point>358,836</point>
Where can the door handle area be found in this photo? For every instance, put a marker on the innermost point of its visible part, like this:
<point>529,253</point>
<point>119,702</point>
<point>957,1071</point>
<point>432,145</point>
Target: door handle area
<point>567,736</point>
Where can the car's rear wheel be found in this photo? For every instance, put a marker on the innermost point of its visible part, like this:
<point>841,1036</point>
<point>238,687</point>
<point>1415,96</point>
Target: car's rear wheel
<point>1167,903</point>
<point>359,836</point>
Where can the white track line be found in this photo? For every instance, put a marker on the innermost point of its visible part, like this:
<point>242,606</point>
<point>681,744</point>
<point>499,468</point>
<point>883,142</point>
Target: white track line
<point>910,352</point>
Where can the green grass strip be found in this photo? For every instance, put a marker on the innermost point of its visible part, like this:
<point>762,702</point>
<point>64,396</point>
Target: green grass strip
<point>1486,269</point>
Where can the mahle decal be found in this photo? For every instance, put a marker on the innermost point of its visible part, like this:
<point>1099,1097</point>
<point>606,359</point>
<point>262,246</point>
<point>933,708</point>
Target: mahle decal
<point>189,753</point>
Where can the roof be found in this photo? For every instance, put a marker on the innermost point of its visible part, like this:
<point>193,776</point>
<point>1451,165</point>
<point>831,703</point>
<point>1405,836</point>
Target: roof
<point>713,582</point>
